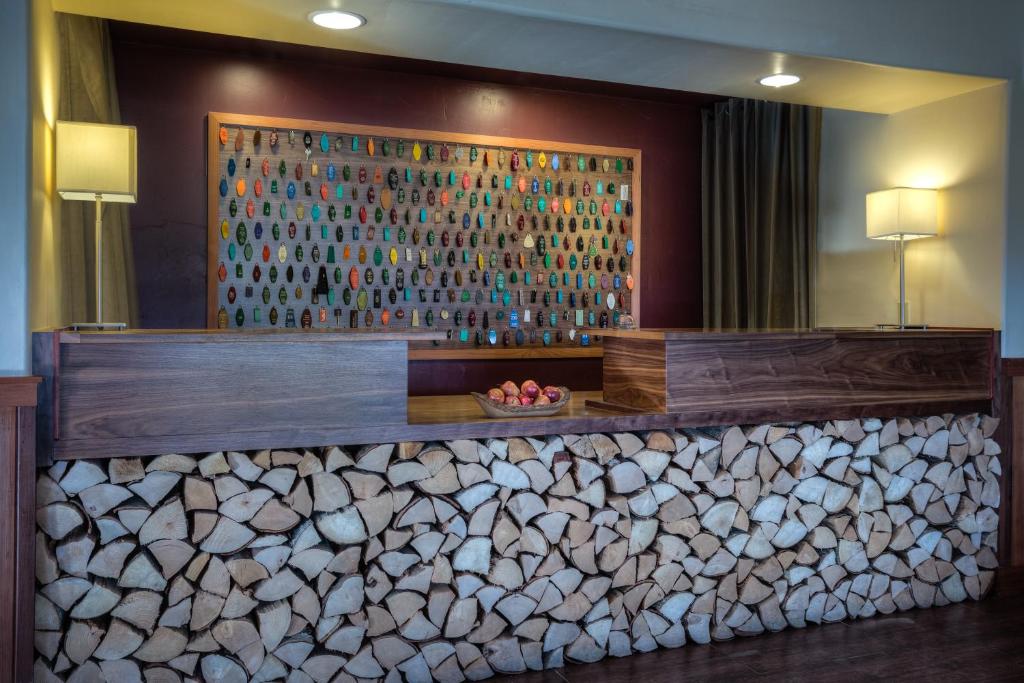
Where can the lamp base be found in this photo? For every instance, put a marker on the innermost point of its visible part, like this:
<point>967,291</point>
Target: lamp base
<point>893,326</point>
<point>99,326</point>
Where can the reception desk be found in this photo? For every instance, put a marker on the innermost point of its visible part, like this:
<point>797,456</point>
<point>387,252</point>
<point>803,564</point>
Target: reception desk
<point>143,392</point>
<point>236,505</point>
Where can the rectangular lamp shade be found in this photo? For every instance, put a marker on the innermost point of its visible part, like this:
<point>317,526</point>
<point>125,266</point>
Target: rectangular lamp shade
<point>902,211</point>
<point>96,160</point>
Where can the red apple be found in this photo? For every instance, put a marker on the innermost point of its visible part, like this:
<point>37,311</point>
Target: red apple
<point>510,388</point>
<point>542,400</point>
<point>526,400</point>
<point>553,394</point>
<point>513,401</point>
<point>496,395</point>
<point>530,388</point>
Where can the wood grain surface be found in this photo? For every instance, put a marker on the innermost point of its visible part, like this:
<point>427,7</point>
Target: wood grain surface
<point>17,524</point>
<point>730,334</point>
<point>25,576</point>
<point>430,418</point>
<point>803,370</point>
<point>1015,505</point>
<point>8,537</point>
<point>1013,367</point>
<point>149,398</point>
<point>634,374</point>
<point>442,418</point>
<point>1002,410</point>
<point>18,391</point>
<point>192,393</point>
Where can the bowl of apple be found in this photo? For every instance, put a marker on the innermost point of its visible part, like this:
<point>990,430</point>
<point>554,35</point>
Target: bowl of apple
<point>528,399</point>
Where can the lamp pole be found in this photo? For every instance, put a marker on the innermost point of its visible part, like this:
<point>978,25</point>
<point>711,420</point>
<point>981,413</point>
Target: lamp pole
<point>903,287</point>
<point>99,324</point>
<point>99,259</point>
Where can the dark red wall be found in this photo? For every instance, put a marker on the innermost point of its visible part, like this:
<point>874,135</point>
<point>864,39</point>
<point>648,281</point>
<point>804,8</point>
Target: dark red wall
<point>168,80</point>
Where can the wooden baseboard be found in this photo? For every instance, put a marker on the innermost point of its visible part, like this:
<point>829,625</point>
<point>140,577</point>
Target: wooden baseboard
<point>1009,581</point>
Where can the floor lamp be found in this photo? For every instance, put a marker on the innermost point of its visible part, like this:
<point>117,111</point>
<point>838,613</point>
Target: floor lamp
<point>97,162</point>
<point>902,214</point>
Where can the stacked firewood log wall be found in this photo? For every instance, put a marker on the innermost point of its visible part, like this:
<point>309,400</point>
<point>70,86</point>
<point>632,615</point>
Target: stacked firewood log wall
<point>467,559</point>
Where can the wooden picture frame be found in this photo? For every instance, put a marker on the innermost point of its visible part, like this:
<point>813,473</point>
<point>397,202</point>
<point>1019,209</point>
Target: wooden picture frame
<point>217,120</point>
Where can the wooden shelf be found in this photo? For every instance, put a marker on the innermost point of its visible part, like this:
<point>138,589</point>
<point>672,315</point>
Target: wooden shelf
<point>514,353</point>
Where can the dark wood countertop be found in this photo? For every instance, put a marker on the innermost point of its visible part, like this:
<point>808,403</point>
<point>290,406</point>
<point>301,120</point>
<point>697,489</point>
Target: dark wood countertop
<point>141,392</point>
<point>448,417</point>
<point>236,336</point>
<point>725,334</point>
<point>441,418</point>
<point>16,391</point>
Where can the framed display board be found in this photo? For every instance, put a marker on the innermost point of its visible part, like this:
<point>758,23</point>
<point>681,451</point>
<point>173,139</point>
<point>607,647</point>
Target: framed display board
<point>501,242</point>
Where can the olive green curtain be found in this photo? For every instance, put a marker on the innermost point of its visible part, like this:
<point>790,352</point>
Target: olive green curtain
<point>759,194</point>
<point>88,93</point>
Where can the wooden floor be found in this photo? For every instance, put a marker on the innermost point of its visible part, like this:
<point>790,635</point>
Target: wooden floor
<point>979,641</point>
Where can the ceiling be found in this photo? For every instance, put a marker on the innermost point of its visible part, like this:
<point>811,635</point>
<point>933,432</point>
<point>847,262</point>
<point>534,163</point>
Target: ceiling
<point>529,37</point>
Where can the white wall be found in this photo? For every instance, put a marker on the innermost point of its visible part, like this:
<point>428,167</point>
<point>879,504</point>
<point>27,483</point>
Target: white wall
<point>977,37</point>
<point>1013,304</point>
<point>956,279</point>
<point>14,174</point>
<point>46,309</point>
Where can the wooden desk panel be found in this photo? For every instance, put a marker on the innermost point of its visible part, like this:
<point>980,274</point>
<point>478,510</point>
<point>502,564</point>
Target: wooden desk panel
<point>188,392</point>
<point>812,371</point>
<point>153,390</point>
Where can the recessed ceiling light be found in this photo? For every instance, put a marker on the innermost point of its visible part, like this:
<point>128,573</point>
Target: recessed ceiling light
<point>336,19</point>
<point>779,80</point>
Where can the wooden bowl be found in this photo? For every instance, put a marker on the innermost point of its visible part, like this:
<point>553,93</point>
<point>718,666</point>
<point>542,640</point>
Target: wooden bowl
<point>501,410</point>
